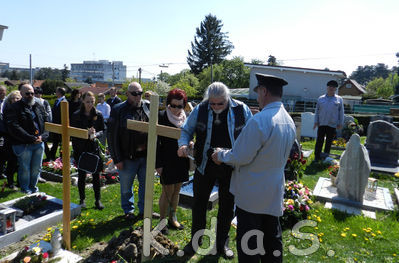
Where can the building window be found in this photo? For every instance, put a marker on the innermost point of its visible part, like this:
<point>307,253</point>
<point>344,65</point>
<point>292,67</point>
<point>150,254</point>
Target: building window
<point>348,86</point>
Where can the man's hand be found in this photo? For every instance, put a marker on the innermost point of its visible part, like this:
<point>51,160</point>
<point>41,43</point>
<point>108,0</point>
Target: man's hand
<point>159,171</point>
<point>215,156</point>
<point>315,126</point>
<point>119,166</point>
<point>38,139</point>
<point>182,151</point>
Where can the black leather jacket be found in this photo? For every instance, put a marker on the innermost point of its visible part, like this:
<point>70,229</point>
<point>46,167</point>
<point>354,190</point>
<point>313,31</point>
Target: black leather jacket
<point>20,125</point>
<point>124,143</point>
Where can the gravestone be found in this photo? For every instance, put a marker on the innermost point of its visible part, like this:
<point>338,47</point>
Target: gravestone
<point>383,144</point>
<point>381,118</point>
<point>307,123</point>
<point>354,170</point>
<point>297,121</point>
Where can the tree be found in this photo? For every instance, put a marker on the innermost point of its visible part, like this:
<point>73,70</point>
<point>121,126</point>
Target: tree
<point>272,61</point>
<point>162,88</point>
<point>48,73</point>
<point>49,86</point>
<point>365,74</point>
<point>235,74</point>
<point>64,73</point>
<point>210,45</point>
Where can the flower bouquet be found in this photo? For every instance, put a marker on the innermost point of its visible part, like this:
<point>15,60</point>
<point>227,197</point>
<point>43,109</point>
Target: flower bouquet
<point>30,203</point>
<point>296,166</point>
<point>56,167</point>
<point>33,255</point>
<point>333,171</point>
<point>297,203</point>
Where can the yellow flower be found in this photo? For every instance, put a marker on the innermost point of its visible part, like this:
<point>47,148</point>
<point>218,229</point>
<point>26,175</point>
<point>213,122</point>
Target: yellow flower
<point>321,240</point>
<point>36,250</point>
<point>379,232</point>
<point>74,227</point>
<point>74,247</point>
<point>397,174</point>
<point>318,219</point>
<point>366,239</point>
<point>354,235</point>
<point>394,255</point>
<point>343,234</point>
<point>91,220</point>
<point>373,234</point>
<point>309,217</point>
<point>49,229</point>
<point>290,202</point>
<point>316,227</point>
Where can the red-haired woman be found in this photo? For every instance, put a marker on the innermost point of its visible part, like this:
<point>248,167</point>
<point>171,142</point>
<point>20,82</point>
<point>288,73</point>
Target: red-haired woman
<point>172,169</point>
<point>87,117</point>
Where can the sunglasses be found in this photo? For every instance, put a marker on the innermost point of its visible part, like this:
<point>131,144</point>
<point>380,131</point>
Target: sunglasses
<point>29,93</point>
<point>136,93</point>
<point>176,106</point>
<point>218,104</point>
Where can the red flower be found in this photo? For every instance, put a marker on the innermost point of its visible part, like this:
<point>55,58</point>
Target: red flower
<point>45,255</point>
<point>113,177</point>
<point>303,162</point>
<point>289,160</point>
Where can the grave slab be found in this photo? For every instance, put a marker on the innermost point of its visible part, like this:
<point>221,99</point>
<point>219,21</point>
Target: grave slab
<point>397,195</point>
<point>24,227</point>
<point>186,196</point>
<point>384,169</point>
<point>350,210</point>
<point>307,123</point>
<point>326,192</point>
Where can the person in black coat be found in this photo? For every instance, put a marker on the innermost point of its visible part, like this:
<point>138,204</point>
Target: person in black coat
<point>74,102</point>
<point>113,99</point>
<point>56,118</point>
<point>172,169</point>
<point>88,118</point>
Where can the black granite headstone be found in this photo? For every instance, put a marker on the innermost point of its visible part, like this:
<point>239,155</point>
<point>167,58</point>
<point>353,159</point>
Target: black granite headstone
<point>383,143</point>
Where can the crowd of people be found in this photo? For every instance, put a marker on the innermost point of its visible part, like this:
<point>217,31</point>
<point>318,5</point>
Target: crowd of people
<point>244,155</point>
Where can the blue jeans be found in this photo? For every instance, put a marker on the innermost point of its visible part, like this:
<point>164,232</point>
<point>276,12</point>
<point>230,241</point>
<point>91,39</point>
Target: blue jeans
<point>126,178</point>
<point>30,158</point>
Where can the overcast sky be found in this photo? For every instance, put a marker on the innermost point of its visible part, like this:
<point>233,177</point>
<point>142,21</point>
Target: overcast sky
<point>339,34</point>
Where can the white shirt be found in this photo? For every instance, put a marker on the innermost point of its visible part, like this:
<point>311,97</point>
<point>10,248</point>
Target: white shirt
<point>105,109</point>
<point>259,156</point>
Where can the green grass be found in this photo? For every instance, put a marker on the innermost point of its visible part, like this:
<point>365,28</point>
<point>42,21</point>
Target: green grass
<point>340,237</point>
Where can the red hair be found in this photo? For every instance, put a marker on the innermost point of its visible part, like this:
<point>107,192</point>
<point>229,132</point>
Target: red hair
<point>176,94</point>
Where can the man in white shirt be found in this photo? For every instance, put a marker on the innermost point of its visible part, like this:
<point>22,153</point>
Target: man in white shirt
<point>105,109</point>
<point>259,155</point>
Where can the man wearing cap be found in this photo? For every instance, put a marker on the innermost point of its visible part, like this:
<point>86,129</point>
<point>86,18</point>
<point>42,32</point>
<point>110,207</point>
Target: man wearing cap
<point>259,156</point>
<point>329,116</point>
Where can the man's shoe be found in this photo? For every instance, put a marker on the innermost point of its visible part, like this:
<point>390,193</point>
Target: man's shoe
<point>82,204</point>
<point>226,252</point>
<point>130,216</point>
<point>99,205</point>
<point>173,226</point>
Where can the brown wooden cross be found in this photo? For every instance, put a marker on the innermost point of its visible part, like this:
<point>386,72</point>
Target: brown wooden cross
<point>66,132</point>
<point>153,130</point>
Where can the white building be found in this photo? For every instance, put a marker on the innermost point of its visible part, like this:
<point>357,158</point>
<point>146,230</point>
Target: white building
<point>102,70</point>
<point>304,84</point>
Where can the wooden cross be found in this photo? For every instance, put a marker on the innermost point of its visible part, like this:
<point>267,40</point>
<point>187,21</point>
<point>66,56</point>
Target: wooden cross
<point>66,132</point>
<point>153,130</point>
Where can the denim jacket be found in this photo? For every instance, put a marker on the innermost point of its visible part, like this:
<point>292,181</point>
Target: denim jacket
<point>188,128</point>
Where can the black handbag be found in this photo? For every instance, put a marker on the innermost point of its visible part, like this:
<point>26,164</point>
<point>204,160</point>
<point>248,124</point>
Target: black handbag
<point>89,162</point>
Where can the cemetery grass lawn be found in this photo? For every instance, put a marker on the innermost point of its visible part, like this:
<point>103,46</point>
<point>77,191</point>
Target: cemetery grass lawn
<point>334,237</point>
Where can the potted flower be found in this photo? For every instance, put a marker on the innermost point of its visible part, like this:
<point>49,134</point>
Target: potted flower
<point>295,167</point>
<point>29,204</point>
<point>53,170</point>
<point>297,203</point>
<point>333,171</point>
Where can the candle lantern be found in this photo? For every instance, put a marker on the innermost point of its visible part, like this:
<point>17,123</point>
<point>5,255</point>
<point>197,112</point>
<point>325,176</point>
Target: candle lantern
<point>7,220</point>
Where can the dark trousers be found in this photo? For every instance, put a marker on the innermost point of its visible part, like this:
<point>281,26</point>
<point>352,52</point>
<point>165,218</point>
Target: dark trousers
<point>7,156</point>
<point>82,183</point>
<point>271,244</point>
<point>329,133</point>
<point>202,188</point>
<point>56,139</point>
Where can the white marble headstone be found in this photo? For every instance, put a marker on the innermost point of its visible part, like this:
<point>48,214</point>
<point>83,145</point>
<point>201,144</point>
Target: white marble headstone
<point>307,123</point>
<point>354,170</point>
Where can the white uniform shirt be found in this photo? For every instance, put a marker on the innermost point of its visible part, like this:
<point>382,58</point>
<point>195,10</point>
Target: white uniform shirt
<point>259,156</point>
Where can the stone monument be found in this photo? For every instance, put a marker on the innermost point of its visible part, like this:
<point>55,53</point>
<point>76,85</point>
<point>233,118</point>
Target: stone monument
<point>354,170</point>
<point>383,143</point>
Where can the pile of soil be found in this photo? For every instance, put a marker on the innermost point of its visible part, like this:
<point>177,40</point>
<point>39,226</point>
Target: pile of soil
<point>128,245</point>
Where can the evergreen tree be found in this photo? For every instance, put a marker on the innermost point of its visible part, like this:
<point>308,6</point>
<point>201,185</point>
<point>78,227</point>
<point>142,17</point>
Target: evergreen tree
<point>210,45</point>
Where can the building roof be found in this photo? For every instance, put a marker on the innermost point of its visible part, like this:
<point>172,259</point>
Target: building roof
<point>72,85</point>
<point>37,83</point>
<point>358,86</point>
<point>94,89</point>
<point>304,70</point>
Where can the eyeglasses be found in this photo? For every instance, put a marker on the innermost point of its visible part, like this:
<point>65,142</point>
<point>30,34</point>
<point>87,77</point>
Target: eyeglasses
<point>176,106</point>
<point>136,93</point>
<point>218,104</point>
<point>29,93</point>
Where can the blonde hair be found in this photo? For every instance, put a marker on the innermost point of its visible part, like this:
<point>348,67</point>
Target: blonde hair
<point>12,95</point>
